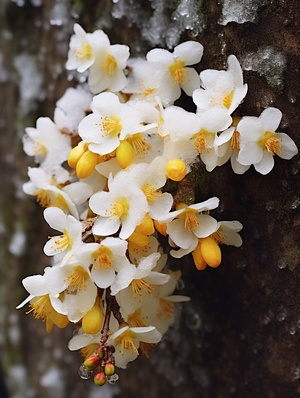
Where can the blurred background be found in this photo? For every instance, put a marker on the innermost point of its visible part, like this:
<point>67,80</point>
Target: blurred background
<point>239,335</point>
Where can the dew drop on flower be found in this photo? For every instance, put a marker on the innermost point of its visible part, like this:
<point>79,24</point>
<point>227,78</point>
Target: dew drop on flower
<point>84,373</point>
<point>113,379</point>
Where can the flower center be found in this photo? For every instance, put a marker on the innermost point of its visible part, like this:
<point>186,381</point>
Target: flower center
<point>271,143</point>
<point>140,285</point>
<point>84,52</point>
<point>135,319</point>
<point>77,280</point>
<point>177,71</point>
<point>139,144</point>
<point>227,99</point>
<point>235,140</point>
<point>150,192</point>
<point>39,149</point>
<point>102,257</point>
<point>63,242</point>
<point>120,209</point>
<point>147,91</point>
<point>203,140</point>
<point>126,342</point>
<point>190,220</point>
<point>41,308</point>
<point>218,237</point>
<point>110,125</point>
<point>109,65</point>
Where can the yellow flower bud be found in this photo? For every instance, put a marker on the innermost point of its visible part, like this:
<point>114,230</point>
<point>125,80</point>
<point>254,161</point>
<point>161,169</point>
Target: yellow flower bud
<point>211,252</point>
<point>198,258</point>
<point>139,239</point>
<point>86,164</point>
<point>76,154</point>
<point>146,227</point>
<point>109,369</point>
<point>93,319</point>
<point>161,227</point>
<point>91,362</point>
<point>175,169</point>
<point>124,154</point>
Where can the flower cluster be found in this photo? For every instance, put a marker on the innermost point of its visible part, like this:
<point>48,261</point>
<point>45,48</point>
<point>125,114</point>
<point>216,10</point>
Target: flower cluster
<point>111,170</point>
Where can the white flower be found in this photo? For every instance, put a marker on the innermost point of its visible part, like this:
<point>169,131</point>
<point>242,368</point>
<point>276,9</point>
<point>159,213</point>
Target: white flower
<point>123,206</point>
<point>127,341</point>
<point>221,88</point>
<point>71,108</point>
<point>50,194</point>
<point>84,47</point>
<point>62,245</point>
<point>80,291</point>
<point>49,146</point>
<point>259,141</point>
<point>149,178</point>
<point>141,277</point>
<point>228,233</point>
<point>106,73</point>
<point>174,73</point>
<point>187,224</point>
<point>107,260</point>
<point>110,122</point>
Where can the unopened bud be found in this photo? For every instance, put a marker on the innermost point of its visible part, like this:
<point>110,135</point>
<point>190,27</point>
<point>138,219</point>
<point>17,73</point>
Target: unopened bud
<point>198,258</point>
<point>161,227</point>
<point>211,252</point>
<point>109,369</point>
<point>124,154</point>
<point>92,321</point>
<point>91,362</point>
<point>86,164</point>
<point>146,227</point>
<point>100,378</point>
<point>76,154</point>
<point>175,169</point>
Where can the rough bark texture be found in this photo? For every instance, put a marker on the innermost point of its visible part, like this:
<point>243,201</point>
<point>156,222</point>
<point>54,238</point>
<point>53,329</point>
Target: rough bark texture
<point>239,336</point>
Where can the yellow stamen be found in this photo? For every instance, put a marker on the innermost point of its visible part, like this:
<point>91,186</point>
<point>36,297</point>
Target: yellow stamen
<point>120,209</point>
<point>77,280</point>
<point>177,71</point>
<point>235,140</point>
<point>218,237</point>
<point>191,221</point>
<point>140,285</point>
<point>203,140</point>
<point>41,307</point>
<point>84,52</point>
<point>39,149</point>
<point>227,99</point>
<point>139,144</point>
<point>63,242</point>
<point>102,257</point>
<point>135,319</point>
<point>126,342</point>
<point>147,91</point>
<point>109,65</point>
<point>110,125</point>
<point>150,192</point>
<point>271,143</point>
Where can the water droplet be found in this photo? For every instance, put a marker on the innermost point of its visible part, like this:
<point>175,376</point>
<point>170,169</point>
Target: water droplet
<point>113,379</point>
<point>84,373</point>
<point>281,263</point>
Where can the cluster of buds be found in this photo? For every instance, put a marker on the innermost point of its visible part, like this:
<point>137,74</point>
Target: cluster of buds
<point>113,175</point>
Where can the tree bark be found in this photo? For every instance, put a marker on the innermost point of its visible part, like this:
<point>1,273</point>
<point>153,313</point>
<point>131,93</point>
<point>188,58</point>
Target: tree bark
<point>239,335</point>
